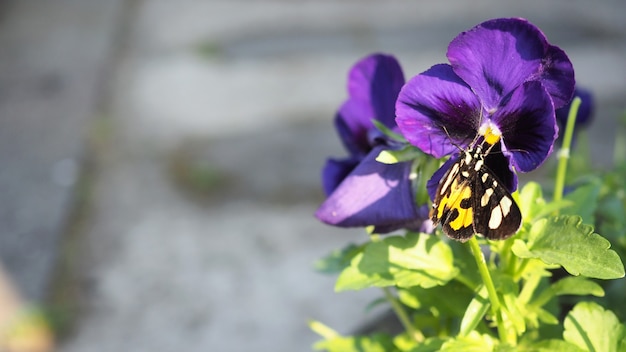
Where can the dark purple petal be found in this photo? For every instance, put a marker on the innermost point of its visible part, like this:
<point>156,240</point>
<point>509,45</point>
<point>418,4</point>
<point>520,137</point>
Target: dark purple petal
<point>377,80</point>
<point>585,111</point>
<point>557,75</point>
<point>497,56</point>
<point>437,112</point>
<point>528,125</point>
<point>373,86</point>
<point>373,194</point>
<point>421,223</point>
<point>353,121</point>
<point>335,171</point>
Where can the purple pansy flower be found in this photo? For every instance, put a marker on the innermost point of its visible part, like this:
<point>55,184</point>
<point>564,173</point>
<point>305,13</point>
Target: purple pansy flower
<point>585,110</point>
<point>504,79</point>
<point>362,191</point>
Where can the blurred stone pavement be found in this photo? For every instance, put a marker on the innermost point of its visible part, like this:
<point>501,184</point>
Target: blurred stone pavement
<point>161,159</point>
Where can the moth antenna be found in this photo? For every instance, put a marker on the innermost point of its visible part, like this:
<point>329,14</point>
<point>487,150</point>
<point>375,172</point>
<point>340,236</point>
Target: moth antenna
<point>450,139</point>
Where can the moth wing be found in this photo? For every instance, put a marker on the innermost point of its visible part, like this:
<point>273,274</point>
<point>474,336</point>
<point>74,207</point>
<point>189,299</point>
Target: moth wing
<point>497,216</point>
<point>452,206</point>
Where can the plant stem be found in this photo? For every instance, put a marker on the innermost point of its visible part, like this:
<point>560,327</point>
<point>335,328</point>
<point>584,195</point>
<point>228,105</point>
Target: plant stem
<point>402,316</point>
<point>565,150</point>
<point>491,289</point>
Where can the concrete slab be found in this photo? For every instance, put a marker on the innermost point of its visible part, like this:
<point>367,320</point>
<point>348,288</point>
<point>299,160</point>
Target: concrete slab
<point>50,67</point>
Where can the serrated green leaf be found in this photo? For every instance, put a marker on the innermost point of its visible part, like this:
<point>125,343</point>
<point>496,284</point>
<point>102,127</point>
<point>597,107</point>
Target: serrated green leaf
<point>471,343</point>
<point>577,286</point>
<point>573,285</point>
<point>374,343</point>
<point>352,278</point>
<point>337,260</point>
<point>413,260</point>
<point>584,201</point>
<point>564,240</point>
<point>592,328</point>
<point>554,346</point>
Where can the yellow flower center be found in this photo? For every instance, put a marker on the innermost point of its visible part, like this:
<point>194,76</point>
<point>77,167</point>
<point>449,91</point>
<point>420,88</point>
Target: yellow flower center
<point>490,132</point>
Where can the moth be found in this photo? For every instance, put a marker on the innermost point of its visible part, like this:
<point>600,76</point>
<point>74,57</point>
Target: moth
<point>471,200</point>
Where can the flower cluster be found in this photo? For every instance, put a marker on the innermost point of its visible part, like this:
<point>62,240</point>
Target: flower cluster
<point>361,191</point>
<point>504,81</point>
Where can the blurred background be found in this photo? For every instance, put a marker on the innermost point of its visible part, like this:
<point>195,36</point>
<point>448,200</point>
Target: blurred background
<point>160,159</point>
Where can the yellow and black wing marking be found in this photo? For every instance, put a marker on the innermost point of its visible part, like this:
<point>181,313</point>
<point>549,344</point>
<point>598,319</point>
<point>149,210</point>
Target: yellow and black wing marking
<point>470,200</point>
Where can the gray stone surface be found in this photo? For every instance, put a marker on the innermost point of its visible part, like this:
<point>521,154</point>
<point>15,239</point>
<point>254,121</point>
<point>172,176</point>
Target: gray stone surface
<point>51,61</point>
<point>240,95</point>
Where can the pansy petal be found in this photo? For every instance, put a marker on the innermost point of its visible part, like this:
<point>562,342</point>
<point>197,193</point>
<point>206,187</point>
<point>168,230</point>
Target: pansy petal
<point>373,194</point>
<point>557,75</point>
<point>377,80</point>
<point>353,121</point>
<point>585,110</point>
<point>528,125</point>
<point>437,112</point>
<point>373,86</point>
<point>421,223</point>
<point>497,56</point>
<point>336,171</point>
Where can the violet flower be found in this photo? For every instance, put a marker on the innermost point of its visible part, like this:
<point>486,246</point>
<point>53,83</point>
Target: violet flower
<point>505,79</point>
<point>362,191</point>
<point>585,111</point>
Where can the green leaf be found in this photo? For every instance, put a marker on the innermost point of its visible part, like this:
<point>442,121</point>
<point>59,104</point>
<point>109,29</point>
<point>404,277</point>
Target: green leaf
<point>546,317</point>
<point>564,240</point>
<point>554,346</point>
<point>351,278</point>
<point>404,343</point>
<point>471,343</point>
<point>579,286</point>
<point>512,315</point>
<point>530,200</point>
<point>584,201</point>
<point>407,153</point>
<point>573,285</point>
<point>451,299</point>
<point>388,132</point>
<point>337,260</point>
<point>414,260</point>
<point>475,312</point>
<point>533,206</point>
<point>592,328</point>
<point>323,330</point>
<point>374,343</point>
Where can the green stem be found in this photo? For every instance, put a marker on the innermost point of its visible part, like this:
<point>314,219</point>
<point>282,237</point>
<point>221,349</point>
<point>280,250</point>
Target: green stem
<point>491,289</point>
<point>565,150</point>
<point>402,316</point>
